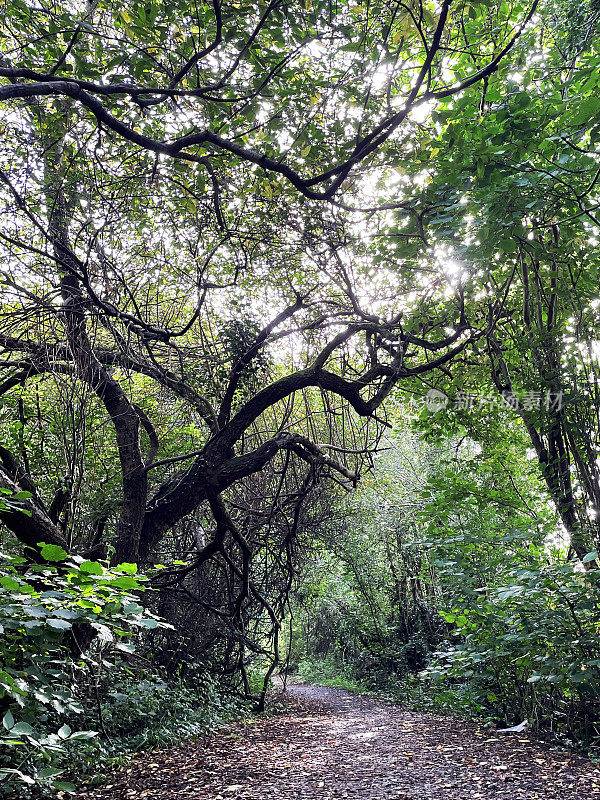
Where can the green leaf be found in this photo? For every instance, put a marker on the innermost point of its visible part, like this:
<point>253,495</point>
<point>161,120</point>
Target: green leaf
<point>125,583</point>
<point>84,734</point>
<point>48,772</point>
<point>21,496</point>
<point>53,552</point>
<point>8,721</point>
<point>10,583</point>
<point>64,732</point>
<point>66,613</point>
<point>579,677</point>
<point>21,728</point>
<point>91,568</point>
<point>508,245</point>
<point>58,624</point>
<point>65,786</point>
<point>587,109</point>
<point>130,569</point>
<point>148,623</point>
<point>38,612</point>
<point>20,775</point>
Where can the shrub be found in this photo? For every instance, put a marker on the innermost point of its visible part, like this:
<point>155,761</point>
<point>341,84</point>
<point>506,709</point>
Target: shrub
<point>530,649</point>
<point>45,611</point>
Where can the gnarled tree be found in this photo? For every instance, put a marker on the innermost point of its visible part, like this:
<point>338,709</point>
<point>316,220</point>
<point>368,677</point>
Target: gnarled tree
<point>166,278</point>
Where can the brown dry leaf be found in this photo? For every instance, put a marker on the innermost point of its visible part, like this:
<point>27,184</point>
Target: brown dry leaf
<point>329,744</point>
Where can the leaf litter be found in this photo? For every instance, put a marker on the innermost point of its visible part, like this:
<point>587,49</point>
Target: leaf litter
<point>328,743</point>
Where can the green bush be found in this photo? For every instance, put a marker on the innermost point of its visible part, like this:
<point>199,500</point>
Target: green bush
<point>45,612</point>
<point>152,712</point>
<point>146,711</point>
<point>530,649</point>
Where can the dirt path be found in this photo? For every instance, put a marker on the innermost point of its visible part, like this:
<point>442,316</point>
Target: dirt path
<point>333,744</point>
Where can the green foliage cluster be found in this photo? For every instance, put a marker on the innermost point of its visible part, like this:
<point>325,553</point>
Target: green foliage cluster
<point>46,610</point>
<point>529,649</point>
<point>67,709</point>
<point>145,708</point>
<point>328,672</point>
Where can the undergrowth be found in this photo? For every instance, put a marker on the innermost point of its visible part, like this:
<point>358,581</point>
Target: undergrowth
<point>139,712</point>
<point>147,712</point>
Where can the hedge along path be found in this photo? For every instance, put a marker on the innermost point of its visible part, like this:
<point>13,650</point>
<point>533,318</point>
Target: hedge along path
<point>332,744</point>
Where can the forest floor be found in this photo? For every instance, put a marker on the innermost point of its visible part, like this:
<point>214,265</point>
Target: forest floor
<point>328,743</point>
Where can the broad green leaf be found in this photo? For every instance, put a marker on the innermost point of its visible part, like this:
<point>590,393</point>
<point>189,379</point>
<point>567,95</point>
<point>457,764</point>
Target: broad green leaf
<point>91,567</point>
<point>64,732</point>
<point>58,624</point>
<point>53,552</point>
